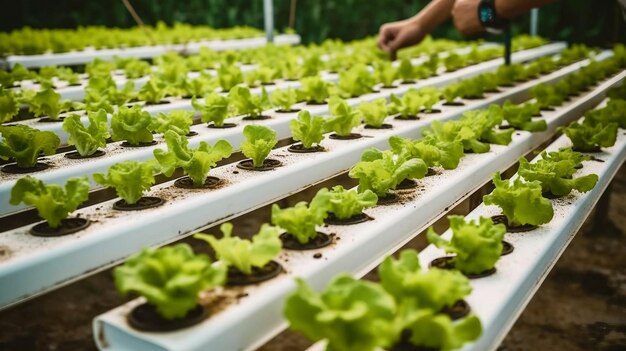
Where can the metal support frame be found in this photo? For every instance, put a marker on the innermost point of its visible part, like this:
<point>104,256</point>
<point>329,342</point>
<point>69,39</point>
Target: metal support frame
<point>268,16</point>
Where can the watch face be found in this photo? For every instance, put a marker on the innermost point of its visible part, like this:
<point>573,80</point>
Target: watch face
<point>486,15</point>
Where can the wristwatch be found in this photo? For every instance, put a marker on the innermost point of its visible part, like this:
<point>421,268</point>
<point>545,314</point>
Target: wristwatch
<point>489,18</point>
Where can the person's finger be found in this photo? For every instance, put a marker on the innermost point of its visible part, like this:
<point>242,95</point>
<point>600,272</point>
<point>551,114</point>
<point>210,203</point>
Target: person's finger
<point>406,37</point>
<point>385,36</point>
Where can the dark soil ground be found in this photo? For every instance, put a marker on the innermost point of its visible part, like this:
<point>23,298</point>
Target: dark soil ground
<point>581,306</point>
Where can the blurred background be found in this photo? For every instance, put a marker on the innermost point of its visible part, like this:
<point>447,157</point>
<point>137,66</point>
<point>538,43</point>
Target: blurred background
<point>597,22</point>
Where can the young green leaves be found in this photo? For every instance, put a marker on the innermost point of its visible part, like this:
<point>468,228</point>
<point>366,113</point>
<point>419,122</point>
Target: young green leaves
<point>259,142</point>
<point>314,90</point>
<point>196,163</point>
<point>53,202</point>
<point>87,140</point>
<point>556,176</point>
<point>132,125</point>
<point>342,203</point>
<point>9,106</point>
<point>307,129</point>
<point>177,121</point>
<point>24,144</point>
<point>284,99</point>
<point>356,81</point>
<point>521,116</point>
<point>590,138</point>
<point>343,118</point>
<point>214,109</point>
<point>299,221</point>
<point>242,254</point>
<point>381,171</point>
<point>521,202</point>
<point>47,102</point>
<point>247,104</point>
<point>130,179</point>
<point>477,246</point>
<point>374,112</point>
<point>170,278</point>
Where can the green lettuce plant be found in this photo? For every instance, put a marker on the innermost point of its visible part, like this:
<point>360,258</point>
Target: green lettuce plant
<point>247,104</point>
<point>196,163</point>
<point>47,102</point>
<point>130,179</point>
<point>229,76</point>
<point>178,121</point>
<point>405,71</point>
<point>9,106</point>
<point>259,142</point>
<point>243,254</point>
<point>566,154</point>
<point>476,246</point>
<point>87,140</point>
<point>586,137</point>
<point>214,109</point>
<point>521,202</point>
<point>356,81</point>
<point>132,124</point>
<point>169,278</point>
<point>342,203</point>
<point>25,144</point>
<point>314,90</point>
<point>520,116</point>
<point>433,151</point>
<point>374,112</point>
<point>284,99</point>
<point>153,91</point>
<point>556,177</point>
<point>385,73</point>
<point>380,172</point>
<point>343,118</point>
<point>307,129</point>
<point>53,202</point>
<point>300,221</point>
<point>546,96</point>
<point>614,112</point>
<point>407,106</point>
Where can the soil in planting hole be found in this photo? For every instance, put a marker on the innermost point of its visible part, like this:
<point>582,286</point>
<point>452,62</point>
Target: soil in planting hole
<point>67,226</point>
<point>356,219</point>
<point>300,149</point>
<point>162,102</point>
<point>143,203</point>
<point>550,195</point>
<point>431,111</point>
<point>389,86</point>
<point>293,110</point>
<point>407,184</point>
<point>406,118</point>
<point>405,344</point>
<point>187,183</point>
<point>352,136</point>
<point>76,156</point>
<point>141,144</point>
<point>223,126</point>
<point>146,318</point>
<point>453,103</point>
<point>507,248</point>
<point>595,159</point>
<point>258,275</point>
<point>458,310</point>
<point>316,103</point>
<point>257,118</point>
<point>14,169</point>
<point>593,150</point>
<point>446,262</point>
<point>388,199</point>
<point>191,133</point>
<point>291,243</point>
<point>406,82</point>
<point>51,120</point>
<point>382,126</point>
<point>268,165</point>
<point>431,172</point>
<point>512,229</point>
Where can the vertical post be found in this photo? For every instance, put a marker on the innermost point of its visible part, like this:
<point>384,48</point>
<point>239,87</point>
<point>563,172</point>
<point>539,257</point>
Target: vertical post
<point>534,21</point>
<point>507,44</point>
<point>268,16</point>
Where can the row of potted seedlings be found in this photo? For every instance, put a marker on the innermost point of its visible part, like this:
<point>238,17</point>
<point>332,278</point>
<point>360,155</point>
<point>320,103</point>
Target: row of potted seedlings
<point>443,145</point>
<point>378,173</point>
<point>136,126</point>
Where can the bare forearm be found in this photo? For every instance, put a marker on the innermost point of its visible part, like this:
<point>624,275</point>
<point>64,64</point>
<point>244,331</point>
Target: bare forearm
<point>433,14</point>
<point>514,8</point>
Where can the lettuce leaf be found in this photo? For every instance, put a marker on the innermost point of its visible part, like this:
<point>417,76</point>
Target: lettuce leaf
<point>586,137</point>
<point>343,203</point>
<point>520,116</point>
<point>130,179</point>
<point>247,104</point>
<point>307,129</point>
<point>132,125</point>
<point>374,112</point>
<point>9,107</point>
<point>299,221</point>
<point>314,90</point>
<point>556,177</point>
<point>87,140</point>
<point>215,108</point>
<point>259,142</point>
<point>356,81</point>
<point>178,121</point>
<point>284,98</point>
<point>343,118</point>
<point>24,144</point>
<point>229,76</point>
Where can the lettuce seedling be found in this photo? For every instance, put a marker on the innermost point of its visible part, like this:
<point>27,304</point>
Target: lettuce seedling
<point>430,96</point>
<point>24,144</point>
<point>178,121</point>
<point>385,73</point>
<point>196,163</point>
<point>477,246</point>
<point>413,287</point>
<point>546,95</point>
<point>314,90</point>
<point>458,131</point>
<point>202,85</point>
<point>307,129</point>
<point>586,137</point>
<point>374,112</point>
<point>381,171</point>
<point>130,179</point>
<point>431,150</point>
<point>520,116</point>
<point>229,76</point>
<point>521,202</point>
<point>356,81</point>
<point>247,104</point>
<point>453,62</point>
<point>556,177</point>
<point>132,124</point>
<point>153,91</point>
<point>284,99</point>
<point>170,278</point>
<point>342,117</point>
<point>261,75</point>
<point>9,106</point>
<point>299,221</point>
<point>87,140</point>
<point>484,122</point>
<point>259,142</point>
<point>437,331</point>
<point>342,203</point>
<point>351,314</point>
<point>215,108</point>
<point>53,202</point>
<point>47,102</point>
<point>407,106</point>
<point>566,154</point>
<point>451,92</point>
<point>614,112</point>
<point>405,71</point>
<point>244,254</point>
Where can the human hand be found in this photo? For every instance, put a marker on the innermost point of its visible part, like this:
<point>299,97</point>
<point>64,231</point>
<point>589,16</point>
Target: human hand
<point>394,36</point>
<point>465,17</point>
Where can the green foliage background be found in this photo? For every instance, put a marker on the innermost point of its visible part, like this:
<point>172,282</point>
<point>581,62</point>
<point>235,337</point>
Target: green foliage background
<point>597,22</point>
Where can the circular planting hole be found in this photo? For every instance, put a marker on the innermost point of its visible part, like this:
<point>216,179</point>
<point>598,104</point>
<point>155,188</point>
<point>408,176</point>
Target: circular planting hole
<point>512,229</point>
<point>269,271</point>
<point>145,317</point>
<point>67,226</point>
<point>76,156</point>
<point>268,164</point>
<point>357,218</point>
<point>300,149</point>
<point>291,243</point>
<point>446,262</point>
<point>143,203</point>
<point>14,169</point>
<point>187,183</point>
